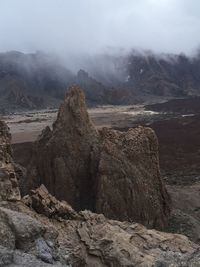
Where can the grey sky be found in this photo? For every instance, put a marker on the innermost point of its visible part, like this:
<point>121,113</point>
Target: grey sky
<point>90,26</point>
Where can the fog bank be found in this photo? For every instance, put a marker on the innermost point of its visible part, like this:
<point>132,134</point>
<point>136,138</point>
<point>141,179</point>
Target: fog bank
<point>76,27</point>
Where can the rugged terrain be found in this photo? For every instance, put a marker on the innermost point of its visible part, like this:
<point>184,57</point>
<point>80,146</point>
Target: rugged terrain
<point>35,81</point>
<point>104,171</point>
<point>38,230</point>
<point>178,136</point>
<point>165,74</point>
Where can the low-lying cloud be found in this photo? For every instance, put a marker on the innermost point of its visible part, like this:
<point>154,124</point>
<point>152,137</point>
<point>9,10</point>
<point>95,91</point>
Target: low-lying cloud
<point>75,27</point>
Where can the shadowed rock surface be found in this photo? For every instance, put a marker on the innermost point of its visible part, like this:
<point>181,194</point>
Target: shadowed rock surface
<point>108,172</point>
<point>64,155</point>
<point>129,183</point>
<point>8,180</point>
<point>44,203</point>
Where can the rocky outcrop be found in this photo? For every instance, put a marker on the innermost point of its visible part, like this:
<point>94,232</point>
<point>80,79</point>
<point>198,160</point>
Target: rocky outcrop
<point>125,244</point>
<point>107,171</point>
<point>64,155</point>
<point>129,183</point>
<point>8,180</point>
<point>41,231</point>
<point>44,203</point>
<point>31,239</point>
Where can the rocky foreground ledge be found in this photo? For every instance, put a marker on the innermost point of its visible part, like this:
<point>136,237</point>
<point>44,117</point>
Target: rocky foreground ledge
<point>39,230</point>
<point>42,231</point>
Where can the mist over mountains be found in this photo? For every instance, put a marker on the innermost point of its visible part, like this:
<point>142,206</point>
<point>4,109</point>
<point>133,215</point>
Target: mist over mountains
<point>76,27</point>
<point>39,80</point>
<point>90,43</point>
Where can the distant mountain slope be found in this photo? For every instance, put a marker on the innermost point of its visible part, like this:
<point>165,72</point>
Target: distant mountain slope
<point>164,75</point>
<point>33,81</point>
<point>38,80</point>
<point>30,80</point>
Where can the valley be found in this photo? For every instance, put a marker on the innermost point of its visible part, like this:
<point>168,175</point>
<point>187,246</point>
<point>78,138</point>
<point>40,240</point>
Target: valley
<point>26,126</point>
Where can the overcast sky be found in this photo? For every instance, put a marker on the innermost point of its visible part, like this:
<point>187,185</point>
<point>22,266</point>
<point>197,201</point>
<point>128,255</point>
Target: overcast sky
<point>90,26</point>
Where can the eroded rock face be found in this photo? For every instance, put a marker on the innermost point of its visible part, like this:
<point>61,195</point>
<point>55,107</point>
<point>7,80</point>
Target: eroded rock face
<point>113,243</point>
<point>64,155</point>
<point>129,184</point>
<point>108,172</point>
<point>8,181</point>
<point>31,239</point>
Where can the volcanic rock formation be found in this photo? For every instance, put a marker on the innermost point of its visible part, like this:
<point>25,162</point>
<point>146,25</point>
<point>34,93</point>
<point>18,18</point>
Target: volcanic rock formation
<point>108,172</point>
<point>41,231</point>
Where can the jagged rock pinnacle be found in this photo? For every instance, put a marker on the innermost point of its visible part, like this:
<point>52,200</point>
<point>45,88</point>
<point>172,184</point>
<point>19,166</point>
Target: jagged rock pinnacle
<point>106,171</point>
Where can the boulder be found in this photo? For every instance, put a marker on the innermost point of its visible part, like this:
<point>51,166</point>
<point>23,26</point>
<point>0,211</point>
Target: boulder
<point>22,233</point>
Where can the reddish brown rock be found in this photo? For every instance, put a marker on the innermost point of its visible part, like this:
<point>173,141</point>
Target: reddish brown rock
<point>107,172</point>
<point>64,155</point>
<point>129,183</point>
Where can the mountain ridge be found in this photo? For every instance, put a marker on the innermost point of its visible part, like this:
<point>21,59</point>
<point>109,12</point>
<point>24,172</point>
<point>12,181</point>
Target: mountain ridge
<point>38,80</point>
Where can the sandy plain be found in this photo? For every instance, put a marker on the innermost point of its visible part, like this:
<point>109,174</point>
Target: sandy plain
<point>25,127</point>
